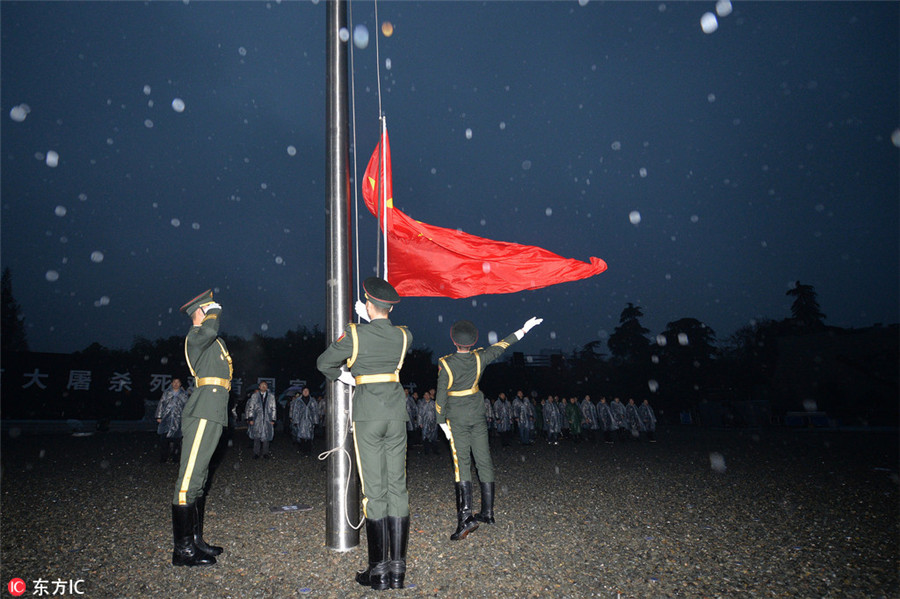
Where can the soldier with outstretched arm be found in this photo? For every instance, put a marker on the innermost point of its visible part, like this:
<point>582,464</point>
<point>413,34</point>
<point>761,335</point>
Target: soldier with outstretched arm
<point>460,414</point>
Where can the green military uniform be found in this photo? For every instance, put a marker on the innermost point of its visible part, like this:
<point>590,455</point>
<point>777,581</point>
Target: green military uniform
<point>461,404</point>
<point>374,353</point>
<point>206,412</point>
<point>460,411</point>
<point>202,421</point>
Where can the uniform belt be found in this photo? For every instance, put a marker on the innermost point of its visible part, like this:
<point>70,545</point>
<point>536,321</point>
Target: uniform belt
<point>213,380</point>
<point>464,392</point>
<point>377,378</point>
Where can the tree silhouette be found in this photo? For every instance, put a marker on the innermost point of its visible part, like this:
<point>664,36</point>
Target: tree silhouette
<point>628,343</point>
<point>12,333</point>
<point>751,352</point>
<point>805,309</point>
<point>687,354</point>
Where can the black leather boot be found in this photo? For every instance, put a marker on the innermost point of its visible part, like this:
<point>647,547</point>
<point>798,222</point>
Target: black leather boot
<point>486,514</point>
<point>185,552</point>
<point>399,532</point>
<point>198,530</point>
<point>466,522</point>
<point>377,574</point>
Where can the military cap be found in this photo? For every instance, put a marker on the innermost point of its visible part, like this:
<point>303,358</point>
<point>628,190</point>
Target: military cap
<point>204,298</point>
<point>464,333</point>
<point>380,292</point>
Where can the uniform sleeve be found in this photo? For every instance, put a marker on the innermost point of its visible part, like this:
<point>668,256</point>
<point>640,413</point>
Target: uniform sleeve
<point>329,362</point>
<point>440,399</point>
<point>205,335</point>
<point>493,352</point>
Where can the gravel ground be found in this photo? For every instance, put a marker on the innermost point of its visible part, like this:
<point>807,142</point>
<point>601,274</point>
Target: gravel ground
<point>701,513</point>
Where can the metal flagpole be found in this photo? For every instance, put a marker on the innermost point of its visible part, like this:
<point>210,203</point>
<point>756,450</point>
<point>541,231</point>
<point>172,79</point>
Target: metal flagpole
<point>342,497</point>
<point>383,199</point>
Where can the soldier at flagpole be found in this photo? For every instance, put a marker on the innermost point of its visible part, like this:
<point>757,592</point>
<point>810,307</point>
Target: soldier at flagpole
<point>374,353</point>
<point>460,414</point>
<point>205,415</point>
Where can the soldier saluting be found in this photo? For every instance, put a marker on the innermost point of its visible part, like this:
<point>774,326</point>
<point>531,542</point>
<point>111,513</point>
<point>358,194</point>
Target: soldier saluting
<point>204,416</point>
<point>460,413</point>
<point>374,353</point>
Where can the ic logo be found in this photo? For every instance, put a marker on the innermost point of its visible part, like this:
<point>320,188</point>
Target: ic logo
<point>16,587</point>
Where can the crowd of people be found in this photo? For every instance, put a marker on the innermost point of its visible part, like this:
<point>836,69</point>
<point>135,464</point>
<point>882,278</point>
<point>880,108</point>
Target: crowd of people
<point>547,419</point>
<point>529,418</point>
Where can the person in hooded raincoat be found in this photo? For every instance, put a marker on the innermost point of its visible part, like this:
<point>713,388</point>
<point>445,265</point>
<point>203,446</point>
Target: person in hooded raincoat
<point>260,415</point>
<point>617,408</point>
<point>607,422</point>
<point>168,417</point>
<point>589,418</point>
<point>633,420</point>
<point>304,415</point>
<point>648,420</point>
<point>426,419</point>
<point>538,419</point>
<point>525,420</point>
<point>560,405</point>
<point>503,417</point>
<point>552,420</point>
<point>573,415</point>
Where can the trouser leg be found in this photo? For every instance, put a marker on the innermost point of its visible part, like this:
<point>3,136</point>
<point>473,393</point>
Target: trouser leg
<point>460,449</point>
<point>395,461</point>
<point>381,460</point>
<point>201,436</point>
<point>481,451</point>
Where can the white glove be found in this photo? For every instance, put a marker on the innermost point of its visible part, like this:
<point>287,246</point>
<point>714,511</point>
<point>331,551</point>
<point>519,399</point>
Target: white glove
<point>346,377</point>
<point>446,429</point>
<point>532,322</point>
<point>209,307</point>
<point>361,310</point>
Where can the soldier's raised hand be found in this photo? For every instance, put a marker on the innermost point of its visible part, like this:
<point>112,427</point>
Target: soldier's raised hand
<point>531,323</point>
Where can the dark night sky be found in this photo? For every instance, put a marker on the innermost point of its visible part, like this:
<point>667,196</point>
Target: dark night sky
<point>759,154</point>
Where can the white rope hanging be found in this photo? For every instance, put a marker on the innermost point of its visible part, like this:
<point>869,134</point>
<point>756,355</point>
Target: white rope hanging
<point>381,243</point>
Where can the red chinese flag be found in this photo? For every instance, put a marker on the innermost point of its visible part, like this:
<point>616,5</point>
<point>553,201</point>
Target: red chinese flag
<point>424,260</point>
